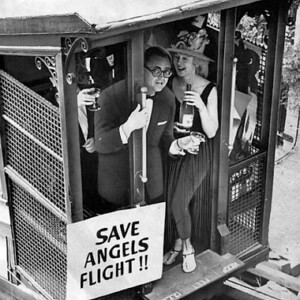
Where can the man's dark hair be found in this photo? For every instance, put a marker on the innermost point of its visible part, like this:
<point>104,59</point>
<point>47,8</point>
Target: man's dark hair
<point>156,51</point>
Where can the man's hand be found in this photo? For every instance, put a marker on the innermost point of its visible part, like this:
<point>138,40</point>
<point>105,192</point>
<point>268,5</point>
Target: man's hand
<point>86,97</point>
<point>137,119</point>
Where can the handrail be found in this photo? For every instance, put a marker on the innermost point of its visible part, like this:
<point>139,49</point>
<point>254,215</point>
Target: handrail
<point>144,140</point>
<point>230,145</point>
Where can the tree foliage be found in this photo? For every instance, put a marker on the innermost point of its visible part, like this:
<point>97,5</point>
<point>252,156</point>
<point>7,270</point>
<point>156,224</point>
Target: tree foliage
<point>291,62</point>
<point>253,28</point>
<point>290,72</point>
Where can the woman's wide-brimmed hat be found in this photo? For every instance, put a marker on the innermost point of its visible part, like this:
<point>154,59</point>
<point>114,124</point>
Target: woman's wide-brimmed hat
<point>191,44</point>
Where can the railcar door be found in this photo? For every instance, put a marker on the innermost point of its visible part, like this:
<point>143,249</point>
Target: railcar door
<point>41,158</point>
<point>236,217</point>
<point>247,160</point>
<point>33,164</point>
<point>201,32</point>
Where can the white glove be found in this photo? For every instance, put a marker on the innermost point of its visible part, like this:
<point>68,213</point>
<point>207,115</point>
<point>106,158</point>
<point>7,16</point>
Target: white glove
<point>137,119</point>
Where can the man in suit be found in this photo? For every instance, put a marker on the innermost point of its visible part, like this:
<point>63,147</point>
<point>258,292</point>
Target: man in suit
<point>88,155</point>
<point>115,122</point>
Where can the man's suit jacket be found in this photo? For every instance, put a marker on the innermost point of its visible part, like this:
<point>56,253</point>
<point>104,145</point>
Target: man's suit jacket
<point>113,166</point>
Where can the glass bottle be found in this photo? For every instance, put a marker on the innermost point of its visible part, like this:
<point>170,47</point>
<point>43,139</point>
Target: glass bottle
<point>186,114</point>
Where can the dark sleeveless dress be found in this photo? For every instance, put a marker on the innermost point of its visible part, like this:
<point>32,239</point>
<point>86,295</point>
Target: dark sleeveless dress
<point>188,186</point>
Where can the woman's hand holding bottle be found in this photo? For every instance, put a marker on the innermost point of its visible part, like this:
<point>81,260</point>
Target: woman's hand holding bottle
<point>194,99</point>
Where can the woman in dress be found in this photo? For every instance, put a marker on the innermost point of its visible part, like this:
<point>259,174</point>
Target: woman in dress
<point>187,173</point>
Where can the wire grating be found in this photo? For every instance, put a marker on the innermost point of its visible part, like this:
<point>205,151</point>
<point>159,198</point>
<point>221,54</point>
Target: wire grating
<point>33,139</point>
<point>245,207</point>
<point>33,150</point>
<point>36,165</point>
<point>246,192</point>
<point>40,242</point>
<point>31,112</point>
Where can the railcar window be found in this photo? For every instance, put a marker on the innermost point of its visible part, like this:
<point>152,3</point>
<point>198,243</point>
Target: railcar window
<point>23,68</point>
<point>102,77</point>
<point>99,69</point>
<point>250,50</point>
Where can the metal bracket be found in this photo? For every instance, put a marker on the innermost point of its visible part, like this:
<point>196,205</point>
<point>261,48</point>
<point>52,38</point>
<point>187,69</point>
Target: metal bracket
<point>69,49</point>
<point>50,63</point>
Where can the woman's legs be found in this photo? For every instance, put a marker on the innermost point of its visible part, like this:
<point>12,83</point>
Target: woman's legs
<point>185,183</point>
<point>183,224</point>
<point>183,243</point>
<point>180,211</point>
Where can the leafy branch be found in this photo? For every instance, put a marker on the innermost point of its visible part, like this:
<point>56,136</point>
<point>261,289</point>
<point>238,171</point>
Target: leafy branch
<point>290,71</point>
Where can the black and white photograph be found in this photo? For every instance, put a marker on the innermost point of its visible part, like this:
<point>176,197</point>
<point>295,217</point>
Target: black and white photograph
<point>149,150</point>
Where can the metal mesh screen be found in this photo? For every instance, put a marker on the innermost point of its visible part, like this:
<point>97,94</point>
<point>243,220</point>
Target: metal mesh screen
<point>40,242</point>
<point>36,165</point>
<point>245,206</point>
<point>31,112</point>
<point>246,184</point>
<point>33,139</point>
<point>33,148</point>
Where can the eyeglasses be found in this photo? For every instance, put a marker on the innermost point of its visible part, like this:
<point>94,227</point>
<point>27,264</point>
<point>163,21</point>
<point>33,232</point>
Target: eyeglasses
<point>157,71</point>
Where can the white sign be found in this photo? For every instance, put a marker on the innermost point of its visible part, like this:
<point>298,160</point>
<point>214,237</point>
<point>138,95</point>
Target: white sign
<point>115,251</point>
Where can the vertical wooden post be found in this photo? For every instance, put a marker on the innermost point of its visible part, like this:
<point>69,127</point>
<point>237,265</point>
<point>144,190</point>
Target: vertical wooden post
<point>271,106</point>
<point>136,77</point>
<point>220,168</point>
<point>70,140</point>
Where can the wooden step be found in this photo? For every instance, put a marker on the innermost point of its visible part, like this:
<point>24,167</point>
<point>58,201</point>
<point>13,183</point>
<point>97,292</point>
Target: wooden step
<point>211,267</point>
<point>237,289</point>
<point>280,265</point>
<point>266,271</point>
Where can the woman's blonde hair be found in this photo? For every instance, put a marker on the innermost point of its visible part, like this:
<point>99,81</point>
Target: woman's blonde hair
<point>202,66</point>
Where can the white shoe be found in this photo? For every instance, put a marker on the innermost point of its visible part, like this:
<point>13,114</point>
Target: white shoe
<point>170,256</point>
<point>189,262</point>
